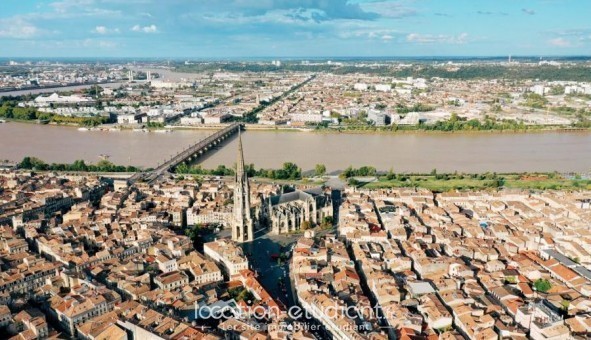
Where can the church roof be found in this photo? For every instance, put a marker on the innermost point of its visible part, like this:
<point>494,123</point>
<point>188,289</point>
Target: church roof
<point>318,191</point>
<point>297,195</point>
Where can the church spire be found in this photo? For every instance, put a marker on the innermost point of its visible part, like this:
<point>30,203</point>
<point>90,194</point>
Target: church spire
<point>242,225</point>
<point>240,160</point>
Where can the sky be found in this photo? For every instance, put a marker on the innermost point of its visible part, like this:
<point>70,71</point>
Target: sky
<point>293,28</point>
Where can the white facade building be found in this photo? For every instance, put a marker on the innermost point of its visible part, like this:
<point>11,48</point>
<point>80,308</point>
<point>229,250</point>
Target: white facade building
<point>383,87</point>
<point>305,117</point>
<point>360,87</point>
<point>228,254</point>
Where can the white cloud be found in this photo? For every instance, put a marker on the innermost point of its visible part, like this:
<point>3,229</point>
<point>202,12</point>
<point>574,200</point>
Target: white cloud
<point>69,45</point>
<point>301,17</point>
<point>146,29</point>
<point>389,9</point>
<point>370,33</point>
<point>66,5</point>
<point>104,30</point>
<point>437,38</point>
<point>66,9</point>
<point>100,30</point>
<point>572,36</point>
<point>17,28</point>
<point>151,29</point>
<point>559,42</point>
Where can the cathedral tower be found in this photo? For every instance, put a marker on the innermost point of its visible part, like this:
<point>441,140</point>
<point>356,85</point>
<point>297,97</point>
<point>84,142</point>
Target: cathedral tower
<point>242,225</point>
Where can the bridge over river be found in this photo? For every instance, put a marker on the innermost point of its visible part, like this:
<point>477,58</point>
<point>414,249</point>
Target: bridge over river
<point>188,155</point>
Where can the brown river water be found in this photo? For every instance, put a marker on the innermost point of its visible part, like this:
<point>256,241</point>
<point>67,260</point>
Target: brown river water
<point>404,152</point>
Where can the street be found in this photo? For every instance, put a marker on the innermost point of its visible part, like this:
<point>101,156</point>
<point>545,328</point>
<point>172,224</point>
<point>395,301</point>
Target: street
<point>273,273</point>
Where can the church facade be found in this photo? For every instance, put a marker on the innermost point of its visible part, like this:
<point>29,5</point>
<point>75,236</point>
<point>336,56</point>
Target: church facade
<point>287,212</point>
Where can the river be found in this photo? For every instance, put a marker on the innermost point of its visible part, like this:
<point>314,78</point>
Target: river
<point>404,152</point>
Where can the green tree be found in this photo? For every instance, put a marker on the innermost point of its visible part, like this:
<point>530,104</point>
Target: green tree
<point>500,182</point>
<point>105,166</point>
<point>348,172</point>
<point>353,182</point>
<point>33,163</point>
<point>327,221</point>
<point>289,171</point>
<point>194,232</point>
<point>542,285</point>
<point>320,170</point>
<point>250,170</point>
<point>222,170</point>
<point>535,100</point>
<point>367,171</point>
<point>182,168</point>
<point>79,165</point>
<point>26,163</point>
<point>95,90</point>
<point>241,294</point>
<point>306,225</point>
<point>390,175</point>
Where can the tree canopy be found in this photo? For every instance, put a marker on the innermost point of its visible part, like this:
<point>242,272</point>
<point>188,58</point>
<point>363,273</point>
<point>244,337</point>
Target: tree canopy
<point>33,163</point>
<point>320,170</point>
<point>542,285</point>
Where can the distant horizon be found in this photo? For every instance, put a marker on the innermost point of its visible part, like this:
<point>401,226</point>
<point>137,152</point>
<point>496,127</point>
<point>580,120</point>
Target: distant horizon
<point>295,58</point>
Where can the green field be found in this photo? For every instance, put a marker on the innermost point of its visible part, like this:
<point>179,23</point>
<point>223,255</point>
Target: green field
<point>442,183</point>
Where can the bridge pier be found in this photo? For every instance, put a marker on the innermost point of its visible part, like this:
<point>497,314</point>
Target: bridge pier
<point>188,155</point>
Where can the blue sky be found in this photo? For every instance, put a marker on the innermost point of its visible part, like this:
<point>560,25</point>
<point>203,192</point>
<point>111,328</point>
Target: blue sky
<point>298,28</point>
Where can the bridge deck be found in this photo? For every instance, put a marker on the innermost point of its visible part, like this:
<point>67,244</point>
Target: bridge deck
<point>184,155</point>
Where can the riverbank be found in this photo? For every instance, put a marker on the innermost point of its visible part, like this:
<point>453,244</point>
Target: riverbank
<point>369,177</point>
<point>266,128</point>
<point>447,182</point>
<point>532,181</point>
<point>63,88</point>
<point>101,122</point>
<point>33,163</point>
<point>36,122</point>
<point>441,182</point>
<point>365,177</point>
